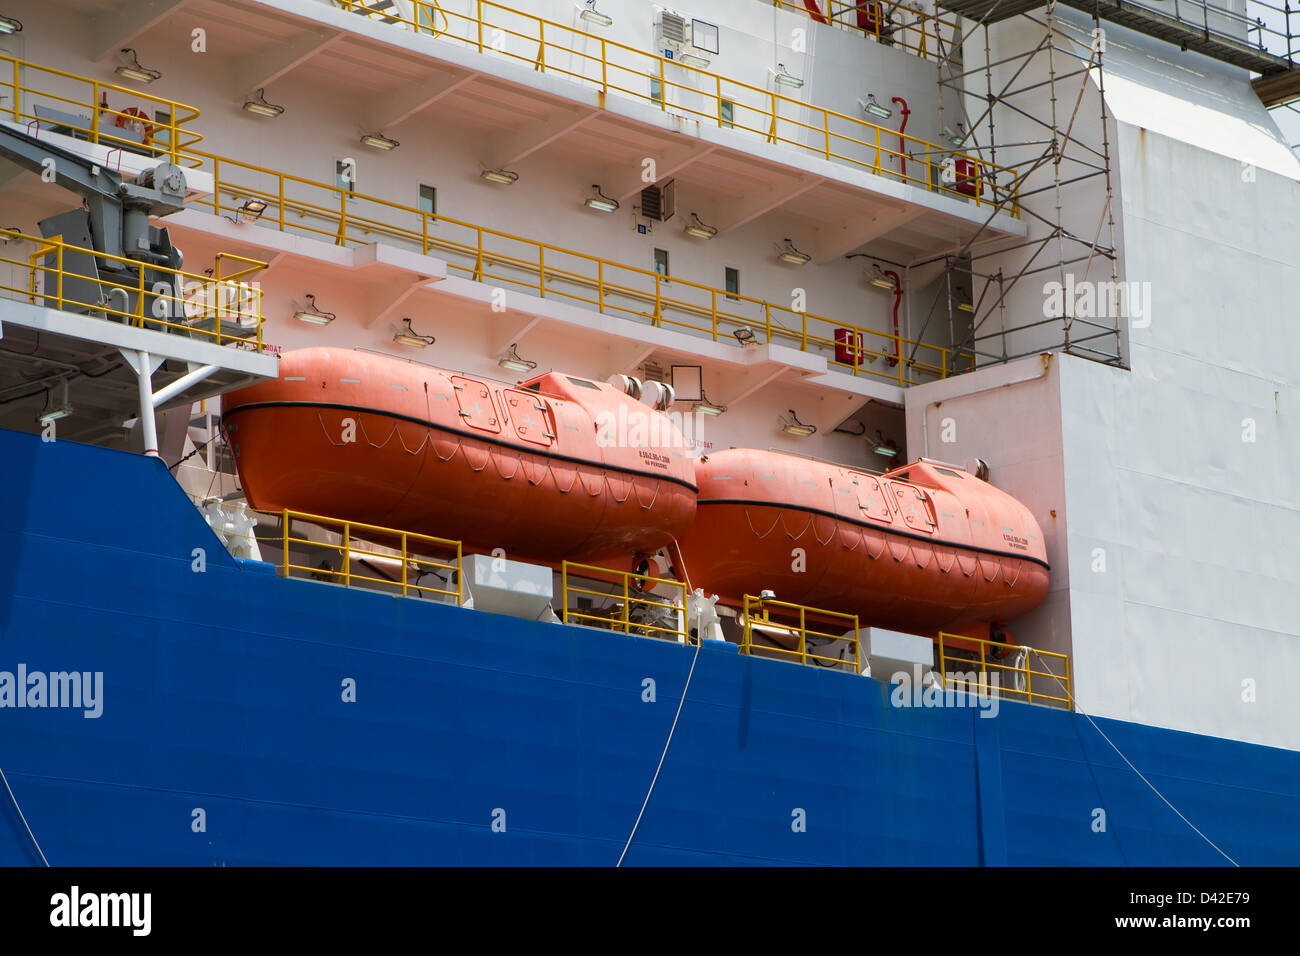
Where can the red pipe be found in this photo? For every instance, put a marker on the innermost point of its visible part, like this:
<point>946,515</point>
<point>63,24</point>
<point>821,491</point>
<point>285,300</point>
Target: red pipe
<point>902,144</point>
<point>898,297</point>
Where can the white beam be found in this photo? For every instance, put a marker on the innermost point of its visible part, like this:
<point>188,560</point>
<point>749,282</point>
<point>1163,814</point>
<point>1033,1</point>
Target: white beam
<point>753,379</point>
<point>621,360</point>
<point>833,241</point>
<point>386,303</point>
<point>168,392</point>
<point>121,27</point>
<point>514,333</point>
<point>389,110</point>
<point>736,213</point>
<point>505,150</point>
<point>667,164</point>
<point>261,70</point>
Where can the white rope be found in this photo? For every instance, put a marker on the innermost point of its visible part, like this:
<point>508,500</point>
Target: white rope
<point>22,817</point>
<point>672,730</point>
<point>1141,777</point>
<point>699,642</point>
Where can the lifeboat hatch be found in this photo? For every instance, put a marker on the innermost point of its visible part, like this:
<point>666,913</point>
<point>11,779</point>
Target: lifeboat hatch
<point>916,508</point>
<point>870,498</point>
<point>531,418</point>
<point>477,409</point>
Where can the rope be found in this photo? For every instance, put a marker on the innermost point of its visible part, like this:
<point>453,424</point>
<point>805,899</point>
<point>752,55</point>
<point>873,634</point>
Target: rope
<point>672,730</point>
<point>1141,777</point>
<point>23,817</point>
<point>699,642</point>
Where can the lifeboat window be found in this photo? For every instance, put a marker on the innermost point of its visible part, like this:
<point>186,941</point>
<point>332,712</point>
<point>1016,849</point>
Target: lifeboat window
<point>575,381</point>
<point>901,476</point>
<point>948,471</point>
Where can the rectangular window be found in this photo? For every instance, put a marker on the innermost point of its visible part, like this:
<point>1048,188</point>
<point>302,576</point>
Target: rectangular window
<point>731,278</point>
<point>162,134</point>
<point>656,90</point>
<point>661,261</point>
<point>429,199</point>
<point>726,114</point>
<point>345,174</point>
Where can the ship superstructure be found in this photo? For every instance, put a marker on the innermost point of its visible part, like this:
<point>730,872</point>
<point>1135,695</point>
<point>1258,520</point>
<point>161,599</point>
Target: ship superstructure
<point>1006,241</point>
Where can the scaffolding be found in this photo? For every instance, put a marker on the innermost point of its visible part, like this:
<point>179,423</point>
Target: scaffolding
<point>1042,93</point>
<point>1048,93</point>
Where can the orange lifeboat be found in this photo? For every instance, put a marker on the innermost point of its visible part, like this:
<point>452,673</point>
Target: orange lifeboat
<point>535,469</point>
<point>922,548</point>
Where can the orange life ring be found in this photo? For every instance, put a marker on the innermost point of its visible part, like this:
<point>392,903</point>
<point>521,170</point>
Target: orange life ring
<point>136,119</point>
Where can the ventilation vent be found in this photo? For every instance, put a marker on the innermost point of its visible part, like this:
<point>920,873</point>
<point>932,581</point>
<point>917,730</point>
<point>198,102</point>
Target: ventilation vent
<point>653,372</point>
<point>671,28</point>
<point>659,202</point>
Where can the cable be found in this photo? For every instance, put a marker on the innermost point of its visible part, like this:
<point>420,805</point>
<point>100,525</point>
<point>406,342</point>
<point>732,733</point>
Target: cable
<point>197,449</point>
<point>1088,717</point>
<point>22,817</point>
<point>699,642</point>
<point>672,730</point>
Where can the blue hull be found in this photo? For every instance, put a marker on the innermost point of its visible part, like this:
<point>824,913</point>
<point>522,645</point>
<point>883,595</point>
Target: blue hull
<point>222,691</point>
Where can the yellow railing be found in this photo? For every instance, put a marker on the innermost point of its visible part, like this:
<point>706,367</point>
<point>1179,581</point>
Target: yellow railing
<point>507,260</point>
<point>223,308</point>
<point>1018,678</point>
<point>915,31</point>
<point>698,94</point>
<point>629,597</point>
<point>46,99</point>
<point>412,553</point>
<point>757,617</point>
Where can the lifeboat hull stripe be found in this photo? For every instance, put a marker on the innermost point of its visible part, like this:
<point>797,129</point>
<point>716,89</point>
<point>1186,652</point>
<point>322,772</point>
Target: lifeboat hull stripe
<point>873,527</point>
<point>476,436</point>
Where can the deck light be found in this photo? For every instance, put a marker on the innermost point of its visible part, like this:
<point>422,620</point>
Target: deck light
<point>879,279</point>
<point>744,335</point>
<point>875,109</point>
<point>134,71</point>
<point>600,202</point>
<point>706,407</point>
<point>413,338</point>
<point>783,77</point>
<point>958,137</point>
<point>700,230</point>
<point>693,59</point>
<point>796,427</point>
<point>965,307</point>
<point>258,106</point>
<point>253,208</point>
<point>592,15</point>
<point>515,362</point>
<point>793,256</point>
<point>62,410</point>
<point>8,25</point>
<point>883,446</point>
<point>379,141</point>
<point>312,315</point>
<point>506,177</point>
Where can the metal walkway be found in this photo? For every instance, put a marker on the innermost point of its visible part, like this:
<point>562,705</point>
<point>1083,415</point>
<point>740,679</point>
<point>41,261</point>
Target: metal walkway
<point>1189,24</point>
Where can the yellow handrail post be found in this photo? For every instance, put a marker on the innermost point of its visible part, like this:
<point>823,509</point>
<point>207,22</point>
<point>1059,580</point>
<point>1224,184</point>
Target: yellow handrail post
<point>767,320</point>
<point>424,234</point>
<point>663,89</point>
<point>803,637</point>
<point>827,130</point>
<point>1029,679</point>
<point>341,240</point>
<point>216,191</point>
<point>627,625</point>
<point>600,285</point>
<point>139,302</point>
<point>658,299</point>
<point>58,281</point>
<point>405,566</point>
<point>280,180</point>
<point>18,90</point>
<point>460,573</point>
<point>604,65</point>
<point>478,5</point>
<point>714,309</point>
<point>541,272</point>
<point>478,263</point>
<point>284,522</point>
<point>771,133</point>
<point>347,554</point>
